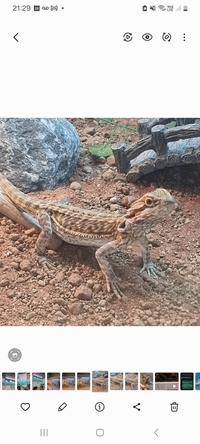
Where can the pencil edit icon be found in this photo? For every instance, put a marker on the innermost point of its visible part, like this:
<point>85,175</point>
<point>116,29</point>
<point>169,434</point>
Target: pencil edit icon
<point>62,407</point>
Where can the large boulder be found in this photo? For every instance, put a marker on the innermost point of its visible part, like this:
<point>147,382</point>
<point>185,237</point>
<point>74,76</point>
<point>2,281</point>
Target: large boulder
<point>36,154</point>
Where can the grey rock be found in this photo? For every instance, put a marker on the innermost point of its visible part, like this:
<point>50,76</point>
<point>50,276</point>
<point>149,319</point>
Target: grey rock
<point>114,199</point>
<point>111,160</point>
<point>75,186</point>
<point>83,293</point>
<point>108,175</point>
<point>87,169</point>
<point>36,154</point>
<point>76,308</point>
<point>75,279</point>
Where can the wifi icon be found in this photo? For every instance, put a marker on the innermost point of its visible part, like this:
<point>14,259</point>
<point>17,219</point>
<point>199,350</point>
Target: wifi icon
<point>162,7</point>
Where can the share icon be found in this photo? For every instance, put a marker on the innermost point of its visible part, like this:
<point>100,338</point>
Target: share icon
<point>136,406</point>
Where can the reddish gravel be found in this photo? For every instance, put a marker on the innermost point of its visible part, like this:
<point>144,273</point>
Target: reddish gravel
<point>75,292</point>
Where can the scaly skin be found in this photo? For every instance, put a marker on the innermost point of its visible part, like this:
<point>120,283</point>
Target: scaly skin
<point>106,232</point>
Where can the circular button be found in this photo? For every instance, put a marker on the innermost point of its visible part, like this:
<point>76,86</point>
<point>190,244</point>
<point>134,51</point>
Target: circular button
<point>99,406</point>
<point>99,432</point>
<point>14,354</point>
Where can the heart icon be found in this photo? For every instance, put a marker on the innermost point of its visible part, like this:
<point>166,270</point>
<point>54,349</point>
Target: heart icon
<point>25,406</point>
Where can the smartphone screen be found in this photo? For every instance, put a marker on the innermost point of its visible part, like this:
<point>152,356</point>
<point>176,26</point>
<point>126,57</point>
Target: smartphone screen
<point>99,222</point>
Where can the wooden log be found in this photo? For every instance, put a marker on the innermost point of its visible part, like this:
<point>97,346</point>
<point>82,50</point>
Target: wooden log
<point>182,132</point>
<point>133,175</point>
<point>188,156</point>
<point>145,125</point>
<point>147,167</point>
<point>158,139</point>
<point>159,143</point>
<point>160,162</point>
<point>170,134</point>
<point>146,155</point>
<point>197,155</point>
<point>137,148</point>
<point>144,128</point>
<point>121,161</point>
<point>184,121</point>
<point>144,160</point>
<point>173,159</point>
<point>161,121</point>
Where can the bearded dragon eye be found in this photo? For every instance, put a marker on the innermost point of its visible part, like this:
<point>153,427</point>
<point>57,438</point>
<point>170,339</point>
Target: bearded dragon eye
<point>149,202</point>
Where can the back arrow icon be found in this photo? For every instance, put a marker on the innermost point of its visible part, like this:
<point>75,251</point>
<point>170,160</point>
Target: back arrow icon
<point>155,432</point>
<point>15,37</point>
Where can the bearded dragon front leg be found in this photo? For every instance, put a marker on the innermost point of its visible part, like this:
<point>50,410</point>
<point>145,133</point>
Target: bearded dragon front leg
<point>45,235</point>
<point>152,269</point>
<point>111,279</point>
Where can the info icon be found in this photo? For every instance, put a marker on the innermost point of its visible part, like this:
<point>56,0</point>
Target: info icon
<point>99,406</point>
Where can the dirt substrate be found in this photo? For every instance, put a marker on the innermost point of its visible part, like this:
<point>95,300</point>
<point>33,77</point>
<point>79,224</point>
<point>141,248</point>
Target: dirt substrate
<point>75,292</point>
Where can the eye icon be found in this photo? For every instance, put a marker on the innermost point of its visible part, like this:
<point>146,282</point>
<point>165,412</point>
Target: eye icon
<point>147,37</point>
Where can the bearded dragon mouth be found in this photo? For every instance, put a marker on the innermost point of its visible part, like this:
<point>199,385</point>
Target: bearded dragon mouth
<point>122,226</point>
<point>129,215</point>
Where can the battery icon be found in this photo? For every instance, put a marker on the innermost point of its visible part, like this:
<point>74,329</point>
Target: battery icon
<point>36,7</point>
